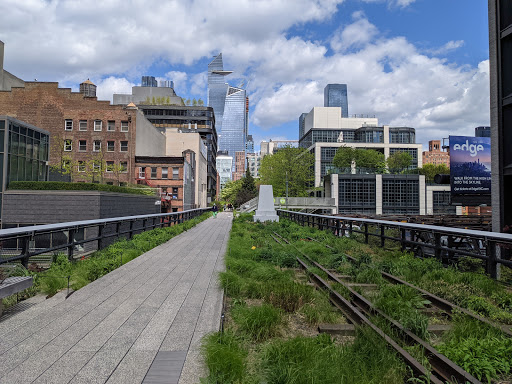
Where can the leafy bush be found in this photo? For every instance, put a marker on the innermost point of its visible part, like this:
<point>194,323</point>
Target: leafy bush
<point>288,295</point>
<point>59,185</point>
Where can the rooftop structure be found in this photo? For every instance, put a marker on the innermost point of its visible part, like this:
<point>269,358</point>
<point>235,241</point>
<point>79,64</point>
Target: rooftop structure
<point>335,95</point>
<point>435,154</point>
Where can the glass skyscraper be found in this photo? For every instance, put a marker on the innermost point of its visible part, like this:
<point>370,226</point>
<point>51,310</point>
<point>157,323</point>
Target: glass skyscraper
<point>335,95</point>
<point>229,104</point>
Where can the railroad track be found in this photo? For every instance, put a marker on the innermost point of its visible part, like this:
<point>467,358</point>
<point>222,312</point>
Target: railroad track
<point>437,301</point>
<point>358,309</point>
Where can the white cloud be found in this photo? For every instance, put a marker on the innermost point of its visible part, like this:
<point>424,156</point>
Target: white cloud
<point>448,47</point>
<point>118,41</point>
<point>392,3</point>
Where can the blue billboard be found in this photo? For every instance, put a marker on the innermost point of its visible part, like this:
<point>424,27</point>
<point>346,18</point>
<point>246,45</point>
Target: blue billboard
<point>470,165</point>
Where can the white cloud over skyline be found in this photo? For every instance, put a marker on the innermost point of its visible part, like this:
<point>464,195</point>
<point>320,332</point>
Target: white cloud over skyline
<point>115,42</point>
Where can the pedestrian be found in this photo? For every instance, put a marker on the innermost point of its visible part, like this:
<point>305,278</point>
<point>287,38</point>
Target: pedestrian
<point>215,209</point>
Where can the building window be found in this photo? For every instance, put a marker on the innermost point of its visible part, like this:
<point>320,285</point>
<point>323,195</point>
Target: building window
<point>97,125</point>
<point>82,145</point>
<point>153,172</point>
<point>175,173</point>
<point>68,145</point>
<point>165,172</point>
<point>81,166</point>
<point>123,166</point>
<point>82,125</point>
<point>124,126</point>
<point>110,166</point>
<point>124,146</point>
<point>96,167</point>
<point>174,192</point>
<point>111,126</point>
<point>97,146</point>
<point>68,125</point>
<point>111,146</point>
<point>142,172</point>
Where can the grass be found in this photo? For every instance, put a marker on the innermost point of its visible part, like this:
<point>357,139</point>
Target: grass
<point>258,323</point>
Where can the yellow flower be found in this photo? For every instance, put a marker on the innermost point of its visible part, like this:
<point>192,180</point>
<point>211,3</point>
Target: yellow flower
<point>253,247</point>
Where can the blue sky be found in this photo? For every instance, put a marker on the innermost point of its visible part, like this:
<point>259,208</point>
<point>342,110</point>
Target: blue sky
<point>418,63</point>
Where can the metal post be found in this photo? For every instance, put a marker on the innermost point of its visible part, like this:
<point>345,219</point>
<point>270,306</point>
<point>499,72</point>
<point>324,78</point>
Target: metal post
<point>118,229</point>
<point>402,239</point>
<point>492,264</point>
<point>100,235</point>
<point>286,190</point>
<point>71,241</point>
<point>366,233</point>
<point>338,227</point>
<point>382,238</point>
<point>437,242</point>
<point>130,234</point>
<point>25,250</point>
<point>144,224</point>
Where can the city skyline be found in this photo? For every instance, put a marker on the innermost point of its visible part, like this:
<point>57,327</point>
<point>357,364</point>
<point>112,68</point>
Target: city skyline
<point>395,65</point>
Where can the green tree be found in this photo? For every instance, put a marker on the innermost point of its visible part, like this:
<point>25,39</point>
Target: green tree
<point>430,170</point>
<point>230,191</point>
<point>168,100</point>
<point>294,164</point>
<point>200,102</point>
<point>188,102</point>
<point>248,189</point>
<point>194,102</point>
<point>370,159</point>
<point>399,161</point>
<point>153,101</point>
<point>158,100</point>
<point>148,101</point>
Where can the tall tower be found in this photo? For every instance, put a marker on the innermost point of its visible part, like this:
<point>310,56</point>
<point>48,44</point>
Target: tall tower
<point>335,95</point>
<point>230,107</point>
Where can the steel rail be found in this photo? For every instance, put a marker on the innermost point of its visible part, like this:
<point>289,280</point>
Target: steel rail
<point>437,301</point>
<point>356,317</point>
<point>441,365</point>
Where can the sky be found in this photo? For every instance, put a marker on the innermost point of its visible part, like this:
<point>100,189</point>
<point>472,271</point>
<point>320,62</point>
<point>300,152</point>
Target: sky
<point>416,63</point>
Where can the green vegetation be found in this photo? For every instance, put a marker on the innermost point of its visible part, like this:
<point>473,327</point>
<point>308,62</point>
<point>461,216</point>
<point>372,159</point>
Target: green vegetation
<point>58,185</point>
<point>363,158</point>
<point>399,161</point>
<point>294,164</point>
<point>280,343</point>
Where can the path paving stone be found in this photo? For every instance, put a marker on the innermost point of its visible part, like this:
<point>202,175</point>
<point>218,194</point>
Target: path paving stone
<point>141,323</point>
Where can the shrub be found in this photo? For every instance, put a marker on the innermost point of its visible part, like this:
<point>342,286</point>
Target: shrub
<point>60,185</point>
<point>288,295</point>
<point>224,357</point>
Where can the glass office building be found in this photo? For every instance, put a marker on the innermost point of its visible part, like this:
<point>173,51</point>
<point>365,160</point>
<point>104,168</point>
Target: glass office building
<point>229,104</point>
<point>335,95</point>
<point>24,152</point>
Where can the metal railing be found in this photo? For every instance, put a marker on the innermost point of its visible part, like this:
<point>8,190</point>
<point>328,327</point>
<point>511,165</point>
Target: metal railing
<point>444,243</point>
<point>40,243</point>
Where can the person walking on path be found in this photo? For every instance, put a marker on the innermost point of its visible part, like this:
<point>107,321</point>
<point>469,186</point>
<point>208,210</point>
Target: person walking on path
<point>215,209</point>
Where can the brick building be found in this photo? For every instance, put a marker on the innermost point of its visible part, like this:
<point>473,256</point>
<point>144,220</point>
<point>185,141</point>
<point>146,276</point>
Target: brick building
<point>239,165</point>
<point>173,176</point>
<point>86,131</point>
<point>435,155</point>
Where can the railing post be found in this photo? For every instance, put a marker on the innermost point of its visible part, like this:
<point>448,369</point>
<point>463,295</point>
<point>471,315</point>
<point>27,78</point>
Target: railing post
<point>71,240</point>
<point>25,250</point>
<point>437,242</point>
<point>492,260</point>
<point>366,233</point>
<point>153,225</point>
<point>118,229</point>
<point>100,235</point>
<point>144,224</point>
<point>402,239</point>
<point>130,234</point>
<point>382,234</point>
<point>338,227</point>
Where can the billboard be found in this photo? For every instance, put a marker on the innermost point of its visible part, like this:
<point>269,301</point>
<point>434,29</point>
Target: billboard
<point>470,165</point>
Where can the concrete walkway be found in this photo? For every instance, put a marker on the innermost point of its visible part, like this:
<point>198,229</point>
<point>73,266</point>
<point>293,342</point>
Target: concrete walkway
<point>141,323</point>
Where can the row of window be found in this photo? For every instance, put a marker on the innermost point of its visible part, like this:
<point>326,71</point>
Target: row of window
<point>98,125</point>
<point>164,172</point>
<point>96,146</point>
<point>108,166</point>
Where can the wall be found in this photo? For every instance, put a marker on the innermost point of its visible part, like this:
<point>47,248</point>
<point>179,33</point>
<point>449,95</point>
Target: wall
<point>150,141</point>
<point>48,207</point>
<point>330,117</point>
<point>7,80</point>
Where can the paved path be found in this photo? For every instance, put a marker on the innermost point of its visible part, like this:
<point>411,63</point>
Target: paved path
<point>141,323</point>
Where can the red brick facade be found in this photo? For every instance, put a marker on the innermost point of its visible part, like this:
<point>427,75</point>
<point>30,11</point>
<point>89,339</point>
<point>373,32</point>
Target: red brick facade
<point>71,116</point>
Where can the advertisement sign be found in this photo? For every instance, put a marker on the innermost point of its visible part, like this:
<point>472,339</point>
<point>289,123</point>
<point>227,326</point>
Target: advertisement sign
<point>470,165</point>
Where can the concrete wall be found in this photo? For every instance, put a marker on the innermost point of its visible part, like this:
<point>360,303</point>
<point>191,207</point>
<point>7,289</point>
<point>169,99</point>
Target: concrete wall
<point>48,207</point>
<point>149,140</point>
<point>7,80</point>
<point>140,94</point>
<point>330,118</point>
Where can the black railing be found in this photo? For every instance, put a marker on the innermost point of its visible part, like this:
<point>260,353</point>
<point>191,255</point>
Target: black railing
<point>40,242</point>
<point>445,243</point>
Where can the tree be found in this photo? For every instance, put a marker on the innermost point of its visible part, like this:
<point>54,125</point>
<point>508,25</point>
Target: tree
<point>188,102</point>
<point>200,102</point>
<point>95,167</point>
<point>168,100</point>
<point>153,101</point>
<point>373,160</point>
<point>63,163</point>
<point>194,102</point>
<point>399,161</point>
<point>247,190</point>
<point>230,190</point>
<point>430,170</point>
<point>294,164</point>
